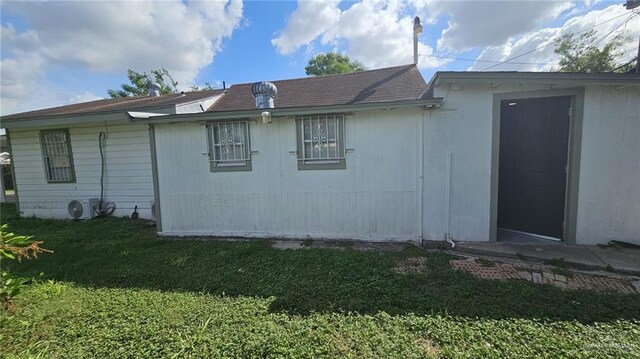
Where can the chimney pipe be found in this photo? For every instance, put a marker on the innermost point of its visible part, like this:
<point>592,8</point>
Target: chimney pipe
<point>417,29</point>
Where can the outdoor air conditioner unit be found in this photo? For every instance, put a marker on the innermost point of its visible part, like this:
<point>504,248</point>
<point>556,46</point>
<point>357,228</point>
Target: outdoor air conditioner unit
<point>83,209</point>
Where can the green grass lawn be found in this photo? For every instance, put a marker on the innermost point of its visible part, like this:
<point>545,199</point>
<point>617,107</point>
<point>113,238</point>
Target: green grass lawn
<point>113,289</point>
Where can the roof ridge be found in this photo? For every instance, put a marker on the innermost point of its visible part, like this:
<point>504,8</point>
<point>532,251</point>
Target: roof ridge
<point>166,95</point>
<point>109,104</point>
<point>325,76</point>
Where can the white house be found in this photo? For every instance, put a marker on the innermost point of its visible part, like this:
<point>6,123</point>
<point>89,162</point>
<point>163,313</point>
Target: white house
<point>56,154</point>
<point>376,155</point>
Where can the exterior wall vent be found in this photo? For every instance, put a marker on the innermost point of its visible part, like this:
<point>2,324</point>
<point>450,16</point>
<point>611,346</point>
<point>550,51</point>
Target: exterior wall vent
<point>265,94</point>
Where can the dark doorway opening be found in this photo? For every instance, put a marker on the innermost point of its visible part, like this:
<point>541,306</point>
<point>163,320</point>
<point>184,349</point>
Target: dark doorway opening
<point>532,168</point>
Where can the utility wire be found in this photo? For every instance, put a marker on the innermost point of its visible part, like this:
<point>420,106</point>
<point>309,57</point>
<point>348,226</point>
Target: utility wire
<point>595,44</point>
<point>627,64</point>
<point>553,43</point>
<point>612,31</point>
<point>635,58</point>
<point>474,60</point>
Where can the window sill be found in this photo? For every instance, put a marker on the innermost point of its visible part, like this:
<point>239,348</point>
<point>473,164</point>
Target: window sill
<point>241,168</point>
<point>321,165</point>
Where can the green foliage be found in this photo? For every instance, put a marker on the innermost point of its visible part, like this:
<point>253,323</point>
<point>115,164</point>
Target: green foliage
<point>116,290</point>
<point>14,247</point>
<point>557,262</point>
<point>140,323</point>
<point>10,287</point>
<point>207,86</point>
<point>485,262</point>
<point>581,53</point>
<point>139,84</point>
<point>330,64</point>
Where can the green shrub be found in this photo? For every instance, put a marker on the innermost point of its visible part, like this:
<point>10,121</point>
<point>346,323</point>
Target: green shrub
<point>14,247</point>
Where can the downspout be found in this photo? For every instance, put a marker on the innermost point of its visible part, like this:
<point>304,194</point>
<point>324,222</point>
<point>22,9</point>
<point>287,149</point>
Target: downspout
<point>155,175</point>
<point>421,176</point>
<point>12,165</point>
<point>447,235</point>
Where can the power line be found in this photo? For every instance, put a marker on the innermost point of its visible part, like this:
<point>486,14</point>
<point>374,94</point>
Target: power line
<point>552,43</point>
<point>612,31</point>
<point>627,64</point>
<point>475,60</point>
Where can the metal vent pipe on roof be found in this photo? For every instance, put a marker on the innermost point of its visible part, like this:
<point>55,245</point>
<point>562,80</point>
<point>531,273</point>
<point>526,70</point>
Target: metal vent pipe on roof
<point>417,28</point>
<point>265,94</point>
<point>154,89</point>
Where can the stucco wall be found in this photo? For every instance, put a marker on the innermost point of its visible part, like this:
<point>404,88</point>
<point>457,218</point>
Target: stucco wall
<point>462,127</point>
<point>609,177</point>
<point>128,178</point>
<point>374,198</point>
<point>609,197</point>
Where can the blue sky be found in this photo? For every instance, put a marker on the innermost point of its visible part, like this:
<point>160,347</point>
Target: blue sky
<point>56,53</point>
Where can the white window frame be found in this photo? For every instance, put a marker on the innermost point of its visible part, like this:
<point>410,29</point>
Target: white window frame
<point>319,138</point>
<point>57,152</point>
<point>229,152</point>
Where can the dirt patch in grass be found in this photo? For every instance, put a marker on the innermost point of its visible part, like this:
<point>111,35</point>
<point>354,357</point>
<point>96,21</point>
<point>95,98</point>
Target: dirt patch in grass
<point>411,265</point>
<point>558,276</point>
<point>480,269</point>
<point>485,262</point>
<point>427,347</point>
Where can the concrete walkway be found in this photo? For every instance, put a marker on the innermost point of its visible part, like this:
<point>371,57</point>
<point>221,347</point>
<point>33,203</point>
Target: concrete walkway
<point>619,259</point>
<point>626,260</point>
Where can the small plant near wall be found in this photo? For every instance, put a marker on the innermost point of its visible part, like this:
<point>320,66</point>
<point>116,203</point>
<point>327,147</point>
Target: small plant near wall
<point>485,262</point>
<point>14,247</point>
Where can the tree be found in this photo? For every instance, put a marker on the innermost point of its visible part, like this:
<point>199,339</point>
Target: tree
<point>331,63</point>
<point>140,84</point>
<point>581,53</point>
<point>207,86</point>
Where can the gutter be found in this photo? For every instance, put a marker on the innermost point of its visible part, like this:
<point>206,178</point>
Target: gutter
<point>537,77</point>
<point>118,116</point>
<point>284,112</point>
<point>54,121</point>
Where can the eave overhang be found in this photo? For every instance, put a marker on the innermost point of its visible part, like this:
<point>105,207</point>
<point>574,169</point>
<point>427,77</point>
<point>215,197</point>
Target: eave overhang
<point>288,112</point>
<point>536,78</point>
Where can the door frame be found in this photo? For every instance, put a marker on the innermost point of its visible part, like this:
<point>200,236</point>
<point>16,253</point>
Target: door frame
<point>573,161</point>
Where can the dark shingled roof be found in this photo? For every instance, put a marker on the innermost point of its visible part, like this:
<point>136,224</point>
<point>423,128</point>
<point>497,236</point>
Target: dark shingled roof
<point>374,86</point>
<point>117,104</point>
<point>391,84</point>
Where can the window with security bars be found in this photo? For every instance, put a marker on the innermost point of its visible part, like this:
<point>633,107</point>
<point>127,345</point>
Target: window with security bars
<point>56,152</point>
<point>321,142</point>
<point>229,146</point>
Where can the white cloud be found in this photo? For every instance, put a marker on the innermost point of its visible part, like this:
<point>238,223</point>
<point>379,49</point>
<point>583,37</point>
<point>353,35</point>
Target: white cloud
<point>544,59</point>
<point>378,33</point>
<point>475,24</point>
<point>103,36</point>
<point>310,20</point>
<point>374,32</point>
<point>84,97</point>
<point>22,74</point>
<point>18,79</point>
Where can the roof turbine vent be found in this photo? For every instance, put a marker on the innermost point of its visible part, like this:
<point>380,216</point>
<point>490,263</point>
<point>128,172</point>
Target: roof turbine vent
<point>154,88</point>
<point>265,93</point>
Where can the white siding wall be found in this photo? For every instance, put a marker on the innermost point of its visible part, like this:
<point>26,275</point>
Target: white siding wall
<point>609,198</point>
<point>609,188</point>
<point>462,126</point>
<point>128,178</point>
<point>374,198</point>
